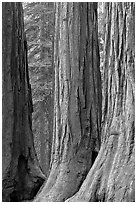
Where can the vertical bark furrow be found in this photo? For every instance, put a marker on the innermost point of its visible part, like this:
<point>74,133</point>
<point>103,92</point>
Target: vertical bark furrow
<point>77,97</point>
<point>111,178</point>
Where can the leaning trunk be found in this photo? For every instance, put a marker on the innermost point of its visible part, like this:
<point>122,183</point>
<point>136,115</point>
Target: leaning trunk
<point>77,102</point>
<point>112,177</point>
<point>22,176</point>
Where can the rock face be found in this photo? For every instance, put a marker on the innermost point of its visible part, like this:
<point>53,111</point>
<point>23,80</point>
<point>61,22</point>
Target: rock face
<point>77,104</point>
<point>22,175</point>
<point>112,177</point>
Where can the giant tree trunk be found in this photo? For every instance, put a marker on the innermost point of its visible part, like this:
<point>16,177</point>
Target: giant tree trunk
<point>112,177</point>
<point>22,176</point>
<point>77,102</point>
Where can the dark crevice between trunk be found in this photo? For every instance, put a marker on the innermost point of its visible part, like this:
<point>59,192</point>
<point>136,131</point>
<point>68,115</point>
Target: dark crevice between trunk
<point>19,196</point>
<point>94,156</point>
<point>21,186</point>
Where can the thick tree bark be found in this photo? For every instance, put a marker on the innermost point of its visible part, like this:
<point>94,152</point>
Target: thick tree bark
<point>112,177</point>
<point>22,176</point>
<point>77,102</point>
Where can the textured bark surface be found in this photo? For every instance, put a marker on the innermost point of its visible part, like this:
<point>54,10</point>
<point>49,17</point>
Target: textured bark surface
<point>112,177</point>
<point>77,102</point>
<point>22,176</point>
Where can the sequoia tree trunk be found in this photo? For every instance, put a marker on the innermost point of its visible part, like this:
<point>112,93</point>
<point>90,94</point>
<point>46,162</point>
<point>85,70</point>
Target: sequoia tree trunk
<point>22,176</point>
<point>77,100</point>
<point>112,177</point>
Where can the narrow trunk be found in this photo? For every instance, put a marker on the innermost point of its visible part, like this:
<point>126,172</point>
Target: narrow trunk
<point>112,177</point>
<point>22,176</point>
<point>42,52</point>
<point>42,137</point>
<point>45,52</point>
<point>77,102</point>
<point>45,147</point>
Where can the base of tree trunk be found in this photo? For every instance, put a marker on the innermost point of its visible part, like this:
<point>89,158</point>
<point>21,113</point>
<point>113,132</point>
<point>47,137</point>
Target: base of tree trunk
<point>22,181</point>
